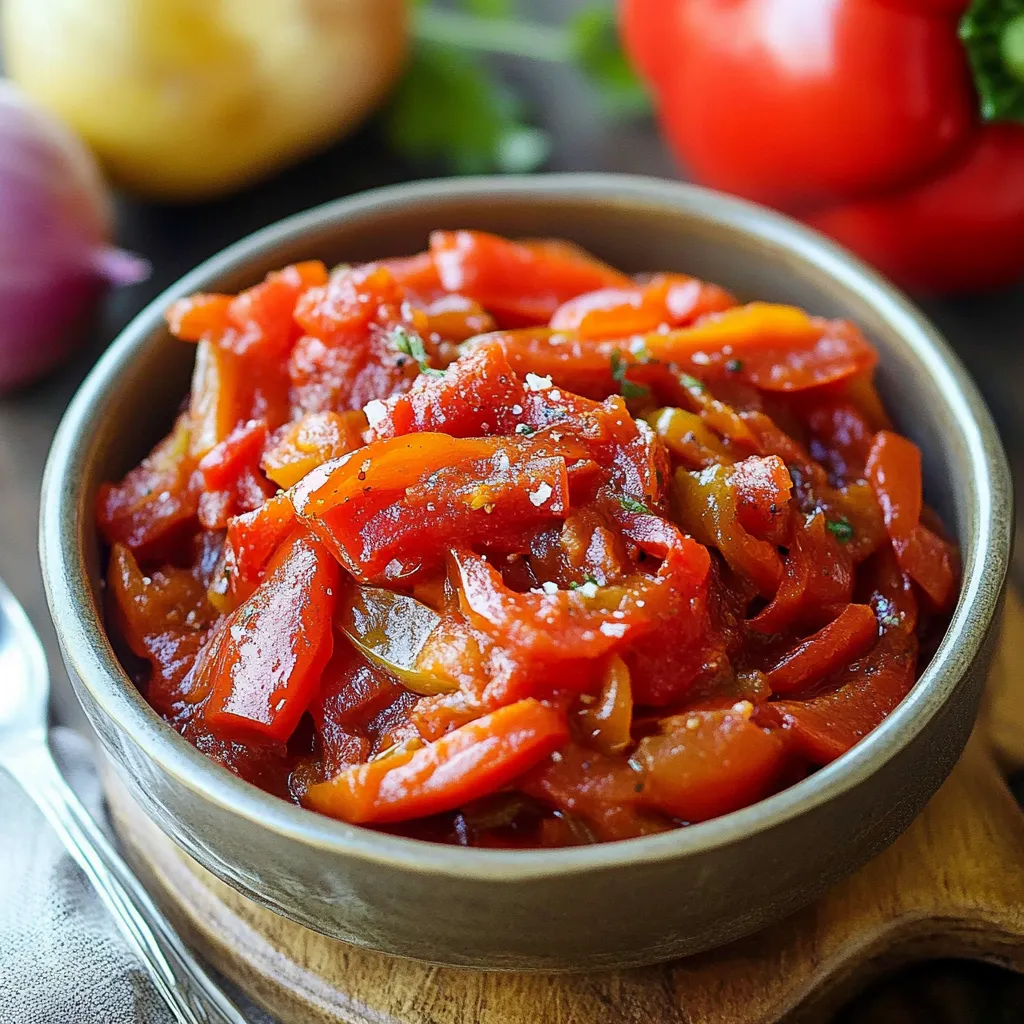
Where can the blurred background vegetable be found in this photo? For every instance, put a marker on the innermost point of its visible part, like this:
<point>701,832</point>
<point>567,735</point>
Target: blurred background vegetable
<point>894,127</point>
<point>184,99</point>
<point>55,252</point>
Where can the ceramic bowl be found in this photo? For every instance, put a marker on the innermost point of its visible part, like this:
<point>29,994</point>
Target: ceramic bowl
<point>617,904</point>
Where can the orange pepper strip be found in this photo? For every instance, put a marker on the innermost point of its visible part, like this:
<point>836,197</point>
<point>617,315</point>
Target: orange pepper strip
<point>832,647</point>
<point>775,348</point>
<point>673,299</point>
<point>472,761</point>
<point>203,315</point>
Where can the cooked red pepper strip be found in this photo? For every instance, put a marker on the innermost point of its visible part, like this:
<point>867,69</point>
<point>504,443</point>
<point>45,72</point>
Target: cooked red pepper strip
<point>393,507</point>
<point>517,282</point>
<point>833,646</point>
<point>264,670</point>
<point>468,763</point>
<point>894,471</point>
<point>825,727</point>
<point>569,624</point>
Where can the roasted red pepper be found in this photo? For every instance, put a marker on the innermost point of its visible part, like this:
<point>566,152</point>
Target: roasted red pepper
<point>870,119</point>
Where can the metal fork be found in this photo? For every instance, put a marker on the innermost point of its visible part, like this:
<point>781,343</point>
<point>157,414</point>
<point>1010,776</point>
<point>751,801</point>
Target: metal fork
<point>187,989</point>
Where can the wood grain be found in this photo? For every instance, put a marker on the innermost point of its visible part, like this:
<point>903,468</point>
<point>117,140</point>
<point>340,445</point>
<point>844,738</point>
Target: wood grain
<point>952,885</point>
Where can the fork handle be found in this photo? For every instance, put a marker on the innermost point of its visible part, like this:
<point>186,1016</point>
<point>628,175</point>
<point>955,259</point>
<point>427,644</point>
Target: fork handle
<point>193,997</point>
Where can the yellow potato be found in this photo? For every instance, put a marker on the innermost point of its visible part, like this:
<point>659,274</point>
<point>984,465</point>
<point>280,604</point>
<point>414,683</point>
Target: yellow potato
<point>183,99</point>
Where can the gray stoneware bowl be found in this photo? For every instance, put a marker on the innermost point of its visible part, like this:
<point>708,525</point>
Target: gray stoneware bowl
<point>617,904</point>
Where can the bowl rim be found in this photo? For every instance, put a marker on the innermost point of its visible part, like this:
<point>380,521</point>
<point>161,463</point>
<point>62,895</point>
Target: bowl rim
<point>89,656</point>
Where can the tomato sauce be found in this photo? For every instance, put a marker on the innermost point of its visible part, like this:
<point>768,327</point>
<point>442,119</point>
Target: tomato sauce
<point>498,546</point>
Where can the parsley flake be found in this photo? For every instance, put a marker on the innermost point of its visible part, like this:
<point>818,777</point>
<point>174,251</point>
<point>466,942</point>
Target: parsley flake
<point>627,388</point>
<point>840,529</point>
<point>691,383</point>
<point>525,429</point>
<point>734,365</point>
<point>411,344</point>
<point>632,505</point>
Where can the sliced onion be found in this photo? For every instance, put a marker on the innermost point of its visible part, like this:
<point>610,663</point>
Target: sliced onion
<point>391,630</point>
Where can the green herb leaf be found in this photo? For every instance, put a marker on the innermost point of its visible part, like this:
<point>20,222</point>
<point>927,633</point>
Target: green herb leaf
<point>993,35</point>
<point>525,429</point>
<point>627,388</point>
<point>840,529</point>
<point>734,365</point>
<point>449,110</point>
<point>632,505</point>
<point>691,383</point>
<point>411,344</point>
<point>597,51</point>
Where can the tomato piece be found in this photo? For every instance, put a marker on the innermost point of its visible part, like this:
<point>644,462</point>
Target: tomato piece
<point>310,441</point>
<point>474,760</point>
<point>199,316</point>
<point>517,283</point>
<point>865,693</point>
<point>605,721</point>
<point>154,504</point>
<point>672,299</point>
<point>708,763</point>
<point>832,647</point>
<point>263,672</point>
<point>559,625</point>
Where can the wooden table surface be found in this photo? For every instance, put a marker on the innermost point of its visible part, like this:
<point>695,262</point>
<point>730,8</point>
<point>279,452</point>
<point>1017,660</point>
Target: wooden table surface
<point>987,332</point>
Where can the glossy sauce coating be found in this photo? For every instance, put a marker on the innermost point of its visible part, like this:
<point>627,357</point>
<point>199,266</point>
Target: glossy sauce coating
<point>497,546</point>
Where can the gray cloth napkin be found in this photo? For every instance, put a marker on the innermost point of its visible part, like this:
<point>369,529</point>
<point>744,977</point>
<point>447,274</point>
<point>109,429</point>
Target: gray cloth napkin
<point>62,960</point>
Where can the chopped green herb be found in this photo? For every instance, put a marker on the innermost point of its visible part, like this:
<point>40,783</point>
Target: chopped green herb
<point>592,579</point>
<point>840,529</point>
<point>632,505</point>
<point>734,365</point>
<point>525,429</point>
<point>691,383</point>
<point>411,344</point>
<point>627,388</point>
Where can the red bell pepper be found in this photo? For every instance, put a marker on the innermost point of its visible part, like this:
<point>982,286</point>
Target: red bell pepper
<point>873,120</point>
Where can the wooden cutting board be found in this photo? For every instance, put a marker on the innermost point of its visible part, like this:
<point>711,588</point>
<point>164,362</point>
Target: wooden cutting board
<point>951,886</point>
